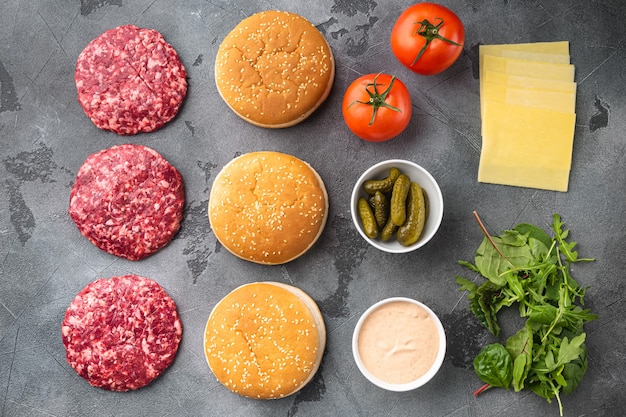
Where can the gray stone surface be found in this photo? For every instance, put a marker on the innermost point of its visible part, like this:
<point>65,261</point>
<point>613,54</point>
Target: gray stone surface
<point>44,261</point>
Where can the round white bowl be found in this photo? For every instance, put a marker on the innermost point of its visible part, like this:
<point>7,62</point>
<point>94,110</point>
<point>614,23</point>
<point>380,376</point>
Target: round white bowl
<point>432,371</point>
<point>417,174</point>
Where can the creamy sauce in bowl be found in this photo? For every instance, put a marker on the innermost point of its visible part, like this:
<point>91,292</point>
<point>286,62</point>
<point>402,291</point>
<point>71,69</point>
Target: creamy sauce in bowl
<point>398,341</point>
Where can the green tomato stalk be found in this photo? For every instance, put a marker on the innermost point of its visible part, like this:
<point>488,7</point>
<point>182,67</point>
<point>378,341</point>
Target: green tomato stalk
<point>377,99</point>
<point>430,32</point>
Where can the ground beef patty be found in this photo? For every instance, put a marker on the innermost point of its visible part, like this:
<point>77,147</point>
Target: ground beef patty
<point>130,80</point>
<point>128,201</point>
<point>121,333</point>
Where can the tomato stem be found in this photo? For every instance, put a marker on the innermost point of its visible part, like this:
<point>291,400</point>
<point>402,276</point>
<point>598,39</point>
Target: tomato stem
<point>377,100</point>
<point>430,32</point>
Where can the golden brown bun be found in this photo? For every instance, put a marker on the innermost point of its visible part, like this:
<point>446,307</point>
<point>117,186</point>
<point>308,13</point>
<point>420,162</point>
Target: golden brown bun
<point>274,69</point>
<point>265,340</point>
<point>268,207</point>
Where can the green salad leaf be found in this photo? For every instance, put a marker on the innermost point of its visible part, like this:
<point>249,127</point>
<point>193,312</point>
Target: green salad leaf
<point>526,267</point>
<point>520,347</point>
<point>494,365</point>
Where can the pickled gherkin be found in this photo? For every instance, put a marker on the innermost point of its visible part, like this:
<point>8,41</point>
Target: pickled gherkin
<point>380,205</point>
<point>384,185</point>
<point>367,219</point>
<point>410,232</point>
<point>388,231</point>
<point>398,199</point>
<point>396,207</point>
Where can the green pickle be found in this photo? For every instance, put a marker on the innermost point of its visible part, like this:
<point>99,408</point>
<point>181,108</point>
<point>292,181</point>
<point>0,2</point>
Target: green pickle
<point>388,231</point>
<point>397,210</point>
<point>410,232</point>
<point>367,218</point>
<point>396,206</point>
<point>384,185</point>
<point>380,204</point>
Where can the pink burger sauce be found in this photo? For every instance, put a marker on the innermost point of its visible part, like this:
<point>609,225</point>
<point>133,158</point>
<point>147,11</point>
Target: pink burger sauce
<point>398,342</point>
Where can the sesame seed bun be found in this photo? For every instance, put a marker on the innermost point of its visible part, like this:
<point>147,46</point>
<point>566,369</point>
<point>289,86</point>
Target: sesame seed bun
<point>265,340</point>
<point>274,69</point>
<point>268,207</point>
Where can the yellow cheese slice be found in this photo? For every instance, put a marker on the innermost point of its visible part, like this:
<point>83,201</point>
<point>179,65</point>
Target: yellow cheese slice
<point>554,48</point>
<point>551,179</point>
<point>562,101</point>
<point>526,147</point>
<point>526,68</point>
<point>529,82</point>
<point>555,52</point>
<point>528,99</point>
<point>535,56</point>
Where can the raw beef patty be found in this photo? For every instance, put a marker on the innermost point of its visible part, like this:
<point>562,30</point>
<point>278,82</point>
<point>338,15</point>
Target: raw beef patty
<point>121,333</point>
<point>128,201</point>
<point>130,80</point>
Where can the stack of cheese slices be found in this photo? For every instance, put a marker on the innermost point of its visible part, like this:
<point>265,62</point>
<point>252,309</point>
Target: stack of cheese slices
<point>527,104</point>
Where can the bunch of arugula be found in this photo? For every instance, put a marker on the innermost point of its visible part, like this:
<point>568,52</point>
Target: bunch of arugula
<point>527,267</point>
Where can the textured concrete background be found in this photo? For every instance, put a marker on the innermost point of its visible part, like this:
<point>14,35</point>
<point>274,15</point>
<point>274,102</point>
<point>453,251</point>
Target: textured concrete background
<point>44,261</point>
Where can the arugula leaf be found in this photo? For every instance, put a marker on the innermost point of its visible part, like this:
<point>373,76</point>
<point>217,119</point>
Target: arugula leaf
<point>535,232</point>
<point>466,285</point>
<point>574,371</point>
<point>525,266</point>
<point>565,247</point>
<point>489,301</point>
<point>568,351</point>
<point>469,265</point>
<point>571,349</point>
<point>543,314</point>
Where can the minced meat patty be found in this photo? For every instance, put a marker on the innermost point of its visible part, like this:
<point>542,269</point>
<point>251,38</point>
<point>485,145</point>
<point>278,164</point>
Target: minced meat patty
<point>121,333</point>
<point>130,80</point>
<point>128,201</point>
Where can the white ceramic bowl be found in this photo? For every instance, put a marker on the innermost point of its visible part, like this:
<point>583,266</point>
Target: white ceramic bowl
<point>417,174</point>
<point>430,373</point>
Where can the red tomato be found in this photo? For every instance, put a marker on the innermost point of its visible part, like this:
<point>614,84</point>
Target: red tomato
<point>377,107</point>
<point>427,38</point>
